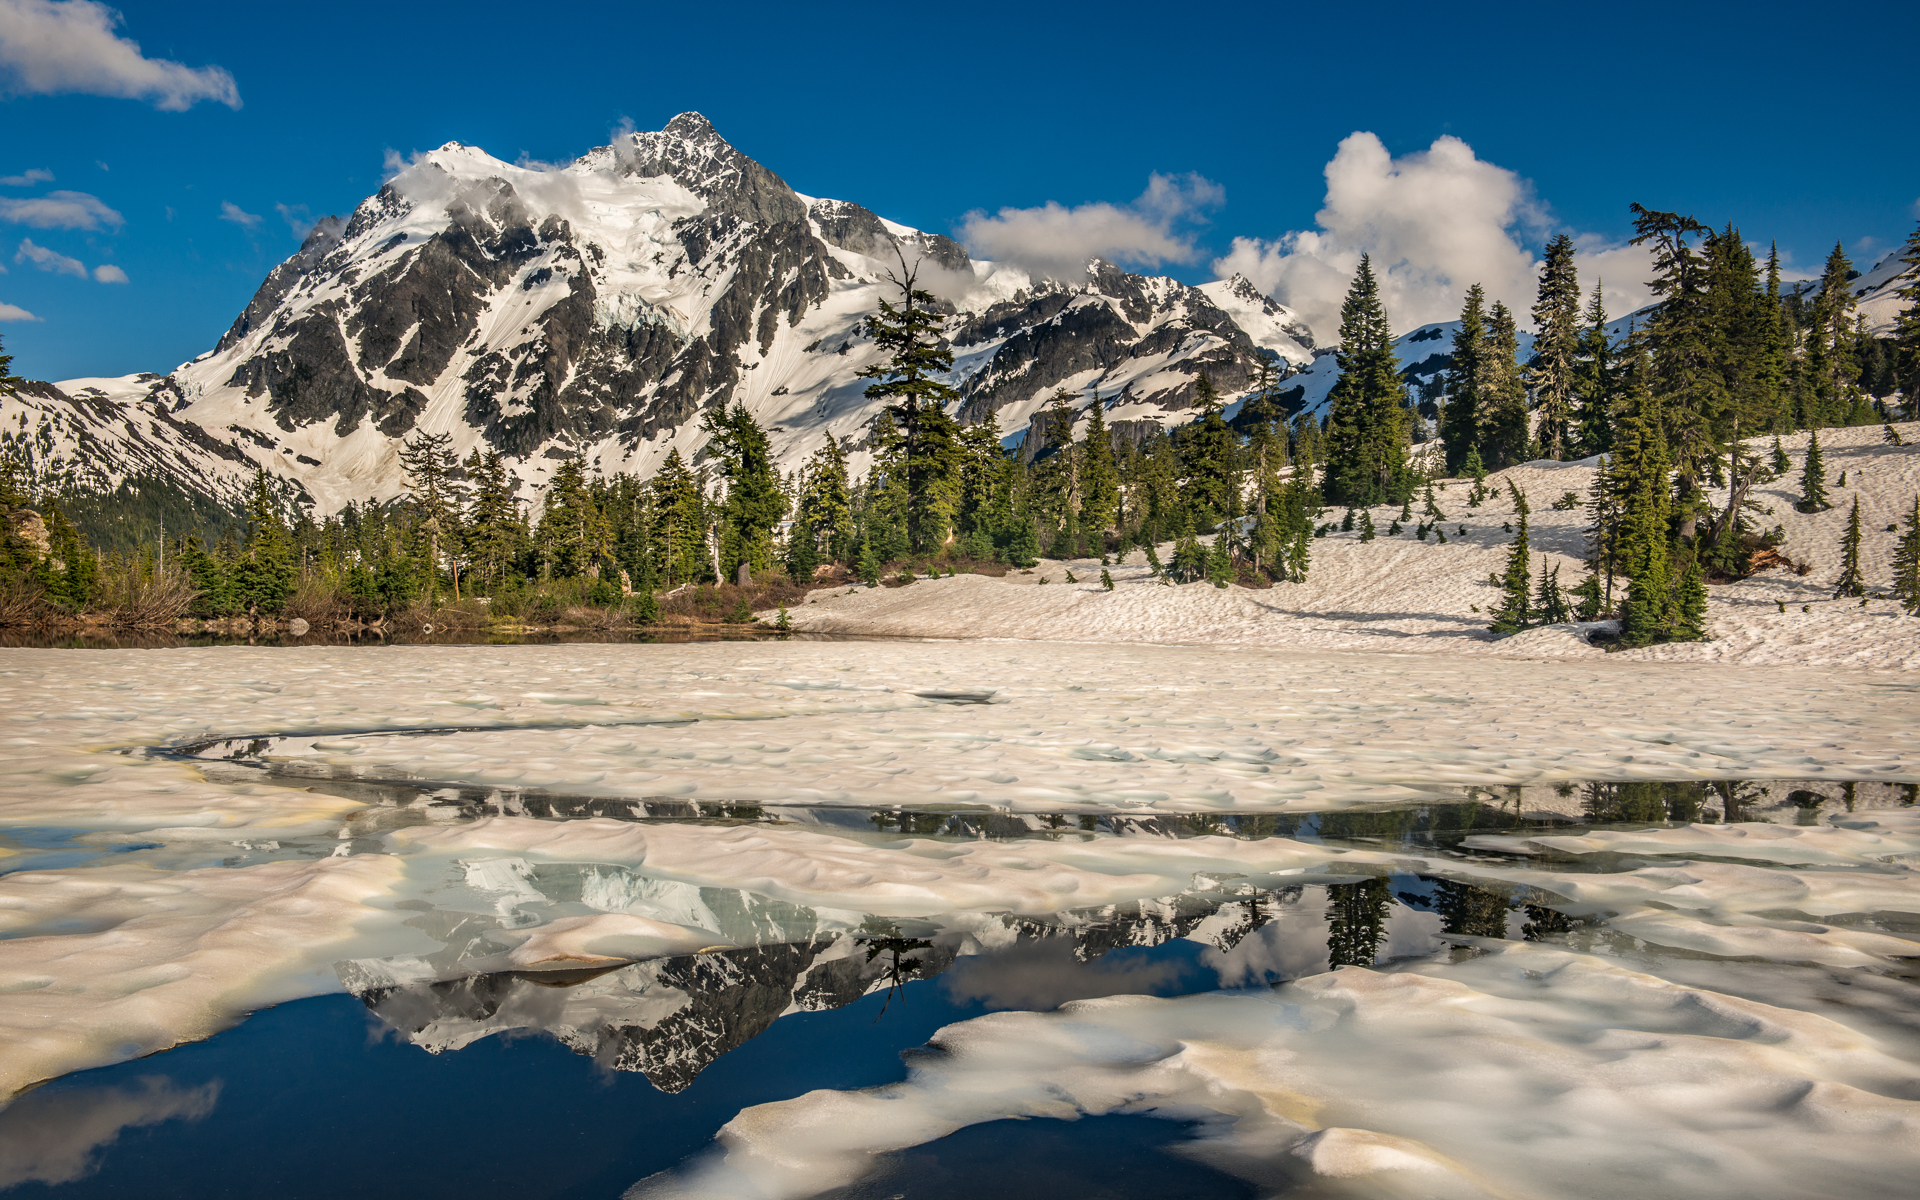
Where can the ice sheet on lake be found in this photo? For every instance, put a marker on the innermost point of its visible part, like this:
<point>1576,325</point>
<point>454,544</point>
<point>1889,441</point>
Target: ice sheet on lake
<point>1528,1071</point>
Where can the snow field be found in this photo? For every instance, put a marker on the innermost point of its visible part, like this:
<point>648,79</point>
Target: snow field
<point>1401,594</point>
<point>214,889</point>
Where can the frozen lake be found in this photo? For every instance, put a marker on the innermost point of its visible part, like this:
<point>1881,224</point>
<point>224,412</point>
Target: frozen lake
<point>1223,920</point>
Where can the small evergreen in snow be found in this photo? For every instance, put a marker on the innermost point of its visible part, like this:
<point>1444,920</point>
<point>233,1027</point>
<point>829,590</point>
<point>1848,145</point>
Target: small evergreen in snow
<point>1813,479</point>
<point>1850,584</point>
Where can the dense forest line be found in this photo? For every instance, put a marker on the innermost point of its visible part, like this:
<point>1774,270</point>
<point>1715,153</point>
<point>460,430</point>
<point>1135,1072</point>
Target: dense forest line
<point>1725,355</point>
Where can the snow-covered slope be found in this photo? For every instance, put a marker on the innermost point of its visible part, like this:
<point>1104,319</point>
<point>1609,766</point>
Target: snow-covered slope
<point>595,309</point>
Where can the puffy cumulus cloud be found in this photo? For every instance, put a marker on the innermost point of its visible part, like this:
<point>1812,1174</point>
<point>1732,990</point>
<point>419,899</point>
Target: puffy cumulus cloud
<point>49,260</point>
<point>1056,241</point>
<point>229,211</point>
<point>108,273</point>
<point>31,176</point>
<point>13,312</point>
<point>1435,222</point>
<point>1622,271</point>
<point>53,46</point>
<point>60,210</point>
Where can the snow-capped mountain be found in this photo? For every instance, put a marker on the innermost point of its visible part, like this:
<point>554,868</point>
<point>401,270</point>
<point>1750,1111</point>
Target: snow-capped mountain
<point>595,309</point>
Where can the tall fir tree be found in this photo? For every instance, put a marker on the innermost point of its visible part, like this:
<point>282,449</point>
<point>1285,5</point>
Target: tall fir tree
<point>1594,379</point>
<point>1367,436</point>
<point>823,512</point>
<point>1460,420</point>
<point>1831,368</point>
<point>492,520</point>
<point>573,534</point>
<point>432,473</point>
<point>1640,477</point>
<point>1556,348</point>
<point>1209,455</point>
<point>263,574</point>
<point>910,381</point>
<point>679,522</point>
<point>1100,480</point>
<point>755,502</point>
<point>1851,583</point>
<point>1503,416</point>
<point>1684,373</point>
<point>1906,328</point>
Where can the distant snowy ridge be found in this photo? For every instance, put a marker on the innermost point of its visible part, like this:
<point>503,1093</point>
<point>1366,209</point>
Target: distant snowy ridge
<point>594,310</point>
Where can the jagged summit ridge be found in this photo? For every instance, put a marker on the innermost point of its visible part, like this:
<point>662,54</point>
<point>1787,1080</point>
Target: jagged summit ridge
<point>594,309</point>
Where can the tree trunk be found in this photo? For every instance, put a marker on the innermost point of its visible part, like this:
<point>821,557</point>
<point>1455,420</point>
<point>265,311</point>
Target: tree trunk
<point>741,576</point>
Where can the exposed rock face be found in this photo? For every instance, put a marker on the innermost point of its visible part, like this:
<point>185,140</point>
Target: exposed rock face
<point>596,309</point>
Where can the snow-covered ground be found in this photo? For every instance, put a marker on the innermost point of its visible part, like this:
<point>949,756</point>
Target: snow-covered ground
<point>1403,595</point>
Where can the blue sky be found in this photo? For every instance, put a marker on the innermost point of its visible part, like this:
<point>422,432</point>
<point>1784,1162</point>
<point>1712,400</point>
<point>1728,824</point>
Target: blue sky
<point>1795,123</point>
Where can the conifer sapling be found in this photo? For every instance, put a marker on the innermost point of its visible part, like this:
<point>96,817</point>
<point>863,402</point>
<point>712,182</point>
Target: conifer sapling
<point>1850,582</point>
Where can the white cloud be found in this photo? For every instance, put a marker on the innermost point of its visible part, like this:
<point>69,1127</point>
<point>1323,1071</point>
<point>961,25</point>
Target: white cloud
<point>1622,271</point>
<point>108,273</point>
<point>13,312</point>
<point>229,211</point>
<point>1056,241</point>
<point>298,219</point>
<point>54,46</point>
<point>59,210</point>
<point>33,175</point>
<point>393,162</point>
<point>1435,222</point>
<point>49,260</point>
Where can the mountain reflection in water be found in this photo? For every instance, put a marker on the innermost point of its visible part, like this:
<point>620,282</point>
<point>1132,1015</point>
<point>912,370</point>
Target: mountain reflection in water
<point>671,1018</point>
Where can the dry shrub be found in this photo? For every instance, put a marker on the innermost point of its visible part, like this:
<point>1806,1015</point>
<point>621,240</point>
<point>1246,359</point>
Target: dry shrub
<point>316,601</point>
<point>21,603</point>
<point>155,603</point>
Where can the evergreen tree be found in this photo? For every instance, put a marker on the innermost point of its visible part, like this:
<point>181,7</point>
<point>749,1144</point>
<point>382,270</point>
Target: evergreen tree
<point>869,564</point>
<point>573,535</point>
<point>1850,584</point>
<point>1503,414</point>
<point>1593,379</point>
<point>1684,368</point>
<point>755,502</point>
<point>1831,369</point>
<point>1550,602</point>
<point>1366,525</point>
<point>1367,434</point>
<point>680,528</point>
<point>1056,473</point>
<point>1220,560</point>
<point>1209,454</point>
<point>910,381</point>
<point>492,521</point>
<point>1779,463</point>
<point>1460,420</point>
<point>263,575</point>
<point>1906,562</point>
<point>823,515</point>
<point>1690,605</point>
<point>1516,583</point>
<point>1906,328</point>
<point>1813,479</point>
<point>1556,348</point>
<point>1640,478</point>
<point>432,474</point>
<point>1100,480</point>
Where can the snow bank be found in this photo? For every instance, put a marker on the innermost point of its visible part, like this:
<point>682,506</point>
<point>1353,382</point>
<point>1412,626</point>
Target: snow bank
<point>1403,595</point>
